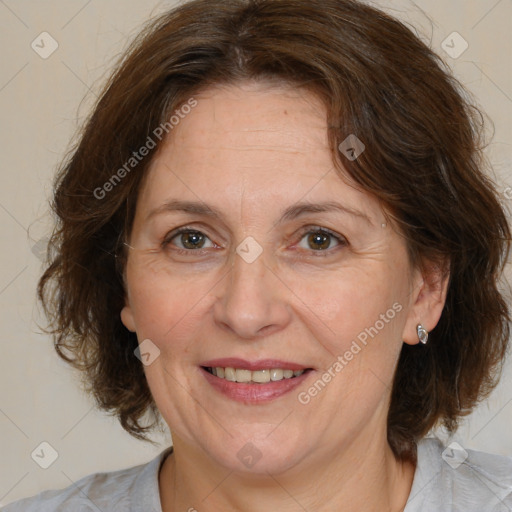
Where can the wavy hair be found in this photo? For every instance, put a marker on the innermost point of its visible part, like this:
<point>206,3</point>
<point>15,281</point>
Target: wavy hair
<point>423,160</point>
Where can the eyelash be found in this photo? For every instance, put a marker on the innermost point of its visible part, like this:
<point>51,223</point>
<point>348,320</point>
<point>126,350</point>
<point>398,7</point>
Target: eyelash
<point>342,241</point>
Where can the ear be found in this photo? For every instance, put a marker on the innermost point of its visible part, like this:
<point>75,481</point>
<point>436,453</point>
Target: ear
<point>430,286</point>
<point>127,317</point>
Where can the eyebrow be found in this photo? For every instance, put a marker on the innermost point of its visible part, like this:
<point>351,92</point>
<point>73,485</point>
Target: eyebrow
<point>303,208</point>
<point>292,212</point>
<point>175,205</point>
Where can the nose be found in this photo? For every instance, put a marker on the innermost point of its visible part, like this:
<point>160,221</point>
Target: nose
<point>252,302</point>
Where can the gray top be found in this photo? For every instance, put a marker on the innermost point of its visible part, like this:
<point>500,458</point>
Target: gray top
<point>446,480</point>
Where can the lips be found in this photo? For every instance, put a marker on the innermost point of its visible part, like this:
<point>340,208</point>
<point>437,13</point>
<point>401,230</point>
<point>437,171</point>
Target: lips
<point>253,381</point>
<point>262,364</point>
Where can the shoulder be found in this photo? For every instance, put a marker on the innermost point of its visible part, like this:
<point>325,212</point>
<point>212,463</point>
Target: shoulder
<point>450,478</point>
<point>135,488</point>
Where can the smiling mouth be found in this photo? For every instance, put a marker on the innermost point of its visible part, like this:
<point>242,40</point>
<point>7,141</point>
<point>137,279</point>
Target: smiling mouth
<point>245,376</point>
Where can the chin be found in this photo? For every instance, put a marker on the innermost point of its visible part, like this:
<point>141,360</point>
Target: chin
<point>259,454</point>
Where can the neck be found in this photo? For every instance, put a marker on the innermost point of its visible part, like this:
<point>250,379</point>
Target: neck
<point>361,476</point>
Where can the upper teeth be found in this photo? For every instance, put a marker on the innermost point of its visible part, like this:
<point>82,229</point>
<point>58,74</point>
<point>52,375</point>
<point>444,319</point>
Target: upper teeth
<point>259,376</point>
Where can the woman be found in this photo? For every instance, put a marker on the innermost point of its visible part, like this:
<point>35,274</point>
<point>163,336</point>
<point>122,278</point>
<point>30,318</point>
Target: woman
<point>277,235</point>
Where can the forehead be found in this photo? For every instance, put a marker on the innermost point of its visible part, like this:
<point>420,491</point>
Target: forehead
<point>251,143</point>
<point>251,113</point>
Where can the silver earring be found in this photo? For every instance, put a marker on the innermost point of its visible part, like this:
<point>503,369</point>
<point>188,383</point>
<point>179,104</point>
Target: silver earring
<point>422,334</point>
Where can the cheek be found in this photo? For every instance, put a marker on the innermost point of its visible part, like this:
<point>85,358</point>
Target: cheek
<point>167,308</point>
<point>352,301</point>
<point>358,321</point>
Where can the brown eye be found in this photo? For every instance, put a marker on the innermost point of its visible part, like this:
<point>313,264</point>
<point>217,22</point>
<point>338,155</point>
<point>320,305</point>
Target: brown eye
<point>321,240</point>
<point>190,240</point>
<point>318,241</point>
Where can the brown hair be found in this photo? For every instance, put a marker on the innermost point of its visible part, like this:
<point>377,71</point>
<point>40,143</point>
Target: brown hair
<point>423,160</point>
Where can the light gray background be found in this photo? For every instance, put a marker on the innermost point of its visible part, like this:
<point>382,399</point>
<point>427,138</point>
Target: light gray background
<point>42,105</point>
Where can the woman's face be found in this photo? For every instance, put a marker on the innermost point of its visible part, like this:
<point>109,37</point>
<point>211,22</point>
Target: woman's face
<point>281,265</point>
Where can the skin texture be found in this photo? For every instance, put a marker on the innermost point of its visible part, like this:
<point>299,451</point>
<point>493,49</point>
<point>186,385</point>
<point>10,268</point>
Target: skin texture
<point>252,150</point>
